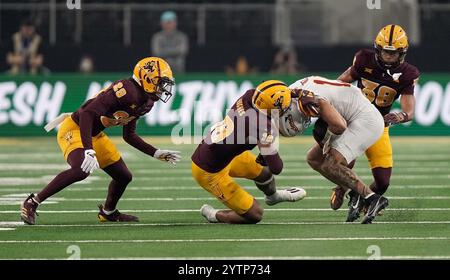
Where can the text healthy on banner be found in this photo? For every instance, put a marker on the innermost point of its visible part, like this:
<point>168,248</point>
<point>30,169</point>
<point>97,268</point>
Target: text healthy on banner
<point>27,103</point>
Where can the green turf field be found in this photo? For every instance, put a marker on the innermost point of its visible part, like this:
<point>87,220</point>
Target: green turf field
<point>167,200</point>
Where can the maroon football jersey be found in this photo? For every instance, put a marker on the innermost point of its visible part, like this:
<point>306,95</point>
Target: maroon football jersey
<point>243,128</point>
<point>382,87</point>
<point>121,104</point>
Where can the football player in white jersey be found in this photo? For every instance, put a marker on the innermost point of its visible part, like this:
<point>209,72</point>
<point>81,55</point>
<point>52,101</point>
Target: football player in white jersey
<point>348,124</point>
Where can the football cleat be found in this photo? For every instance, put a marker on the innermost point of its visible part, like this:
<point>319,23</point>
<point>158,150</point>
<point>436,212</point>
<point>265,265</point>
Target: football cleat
<point>376,203</point>
<point>364,211</point>
<point>291,195</point>
<point>355,206</point>
<point>337,197</point>
<point>209,213</point>
<point>28,210</point>
<point>115,216</point>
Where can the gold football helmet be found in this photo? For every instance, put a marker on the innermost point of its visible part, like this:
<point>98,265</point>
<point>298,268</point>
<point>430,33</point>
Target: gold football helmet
<point>270,95</point>
<point>391,38</point>
<point>154,76</point>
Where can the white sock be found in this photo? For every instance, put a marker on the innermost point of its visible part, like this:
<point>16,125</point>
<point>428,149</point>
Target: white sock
<point>108,212</point>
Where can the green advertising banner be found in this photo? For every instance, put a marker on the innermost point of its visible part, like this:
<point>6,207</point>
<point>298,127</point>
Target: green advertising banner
<point>27,103</point>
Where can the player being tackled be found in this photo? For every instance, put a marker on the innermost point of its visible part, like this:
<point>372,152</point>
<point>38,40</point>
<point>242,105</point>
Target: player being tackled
<point>86,147</point>
<point>225,154</point>
<point>348,124</point>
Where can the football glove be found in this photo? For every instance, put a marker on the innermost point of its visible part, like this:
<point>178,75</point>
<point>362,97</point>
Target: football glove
<point>395,118</point>
<point>90,162</point>
<point>168,155</point>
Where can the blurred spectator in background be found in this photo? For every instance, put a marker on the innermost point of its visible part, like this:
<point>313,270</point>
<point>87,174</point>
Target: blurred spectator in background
<point>285,60</point>
<point>86,64</point>
<point>241,67</point>
<point>170,43</point>
<point>25,56</point>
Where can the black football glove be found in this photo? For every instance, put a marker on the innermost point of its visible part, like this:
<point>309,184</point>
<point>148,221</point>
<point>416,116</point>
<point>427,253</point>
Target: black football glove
<point>260,160</point>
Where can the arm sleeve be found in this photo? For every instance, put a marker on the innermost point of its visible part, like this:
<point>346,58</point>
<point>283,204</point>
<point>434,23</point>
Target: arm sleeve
<point>130,136</point>
<point>409,89</point>
<point>98,107</point>
<point>86,122</point>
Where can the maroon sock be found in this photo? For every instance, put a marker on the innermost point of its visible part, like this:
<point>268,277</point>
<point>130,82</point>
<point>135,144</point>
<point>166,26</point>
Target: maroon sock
<point>382,178</point>
<point>65,178</point>
<point>61,181</point>
<point>121,177</point>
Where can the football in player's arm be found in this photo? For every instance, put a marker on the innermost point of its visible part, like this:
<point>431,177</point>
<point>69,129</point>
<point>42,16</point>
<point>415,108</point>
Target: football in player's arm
<point>383,76</point>
<point>86,147</point>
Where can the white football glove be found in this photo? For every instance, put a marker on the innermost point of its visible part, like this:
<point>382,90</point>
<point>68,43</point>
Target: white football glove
<point>90,162</point>
<point>168,155</point>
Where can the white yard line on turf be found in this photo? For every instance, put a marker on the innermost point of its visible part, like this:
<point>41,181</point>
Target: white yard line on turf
<point>191,187</point>
<point>197,210</point>
<point>231,258</point>
<point>18,198</point>
<point>19,224</point>
<point>13,181</point>
<point>227,240</point>
<point>300,177</point>
<point>402,170</point>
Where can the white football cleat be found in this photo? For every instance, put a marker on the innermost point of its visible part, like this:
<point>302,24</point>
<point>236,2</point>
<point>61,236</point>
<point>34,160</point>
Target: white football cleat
<point>209,213</point>
<point>291,195</point>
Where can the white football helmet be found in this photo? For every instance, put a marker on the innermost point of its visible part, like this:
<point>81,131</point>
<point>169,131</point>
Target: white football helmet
<point>293,121</point>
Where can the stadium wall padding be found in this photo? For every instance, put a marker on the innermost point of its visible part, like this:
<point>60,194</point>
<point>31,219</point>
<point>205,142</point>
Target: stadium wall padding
<point>27,103</point>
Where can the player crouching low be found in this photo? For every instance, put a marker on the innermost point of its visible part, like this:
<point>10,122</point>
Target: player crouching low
<point>86,147</point>
<point>225,154</point>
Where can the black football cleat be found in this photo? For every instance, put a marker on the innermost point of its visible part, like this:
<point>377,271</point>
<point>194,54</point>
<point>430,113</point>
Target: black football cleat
<point>376,203</point>
<point>355,206</point>
<point>115,216</point>
<point>28,210</point>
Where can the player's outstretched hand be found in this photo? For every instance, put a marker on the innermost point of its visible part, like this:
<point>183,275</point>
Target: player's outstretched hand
<point>168,155</point>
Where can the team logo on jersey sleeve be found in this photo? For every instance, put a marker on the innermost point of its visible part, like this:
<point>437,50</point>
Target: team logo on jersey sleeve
<point>368,70</point>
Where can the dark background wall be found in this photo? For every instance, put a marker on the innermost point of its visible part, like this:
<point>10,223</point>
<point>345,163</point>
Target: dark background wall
<point>228,35</point>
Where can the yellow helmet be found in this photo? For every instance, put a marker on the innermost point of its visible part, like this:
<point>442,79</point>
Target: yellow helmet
<point>391,38</point>
<point>154,76</point>
<point>272,94</point>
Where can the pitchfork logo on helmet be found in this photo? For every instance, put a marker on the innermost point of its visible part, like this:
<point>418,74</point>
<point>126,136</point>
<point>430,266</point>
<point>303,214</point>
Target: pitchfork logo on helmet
<point>154,76</point>
<point>391,38</point>
<point>270,95</point>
